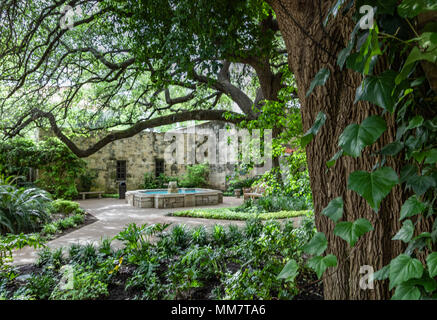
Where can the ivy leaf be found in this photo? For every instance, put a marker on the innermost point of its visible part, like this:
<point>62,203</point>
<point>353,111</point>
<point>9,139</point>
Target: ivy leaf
<point>351,231</point>
<point>411,8</point>
<point>417,121</point>
<point>334,210</point>
<point>382,274</point>
<point>414,56</point>
<point>431,262</point>
<point>426,282</point>
<point>309,135</point>
<point>373,186</point>
<point>407,171</point>
<point>356,63</point>
<point>431,156</point>
<point>290,271</point>
<point>320,264</point>
<point>404,268</point>
<point>317,245</point>
<point>420,184</point>
<point>355,137</point>
<point>406,292</point>
<point>392,149</point>
<point>334,159</point>
<point>319,80</point>
<point>406,232</point>
<point>411,207</point>
<point>378,90</point>
<point>344,54</point>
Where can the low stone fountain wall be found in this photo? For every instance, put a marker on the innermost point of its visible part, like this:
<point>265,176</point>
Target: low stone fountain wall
<point>201,197</point>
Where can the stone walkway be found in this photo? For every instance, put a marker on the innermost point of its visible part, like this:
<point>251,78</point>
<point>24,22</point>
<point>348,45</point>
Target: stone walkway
<point>114,215</point>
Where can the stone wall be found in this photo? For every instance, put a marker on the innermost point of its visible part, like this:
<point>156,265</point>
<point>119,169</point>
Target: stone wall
<point>141,151</point>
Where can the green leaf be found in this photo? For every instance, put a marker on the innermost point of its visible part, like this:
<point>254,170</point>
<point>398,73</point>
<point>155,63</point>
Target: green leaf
<point>414,56</point>
<point>406,232</point>
<point>334,159</point>
<point>411,8</point>
<point>320,264</point>
<point>406,292</point>
<point>378,90</point>
<point>355,137</point>
<point>334,210</point>
<point>351,231</point>
<point>404,268</point>
<point>290,271</point>
<point>417,121</point>
<point>382,274</point>
<point>317,245</point>
<point>411,207</point>
<point>392,149</point>
<point>356,63</point>
<point>431,262</point>
<point>373,186</point>
<point>431,156</point>
<point>309,135</point>
<point>407,171</point>
<point>344,54</point>
<point>319,80</point>
<point>426,282</point>
<point>420,184</point>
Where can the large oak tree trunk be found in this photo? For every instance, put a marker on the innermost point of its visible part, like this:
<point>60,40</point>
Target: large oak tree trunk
<point>311,48</point>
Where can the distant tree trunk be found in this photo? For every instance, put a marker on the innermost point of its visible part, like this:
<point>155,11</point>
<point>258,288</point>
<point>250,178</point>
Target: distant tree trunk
<point>311,48</point>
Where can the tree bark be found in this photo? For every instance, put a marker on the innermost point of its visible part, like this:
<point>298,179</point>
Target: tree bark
<point>311,47</point>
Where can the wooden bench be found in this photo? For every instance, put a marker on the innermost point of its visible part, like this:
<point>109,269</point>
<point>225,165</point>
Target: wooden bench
<point>91,192</point>
<point>252,193</point>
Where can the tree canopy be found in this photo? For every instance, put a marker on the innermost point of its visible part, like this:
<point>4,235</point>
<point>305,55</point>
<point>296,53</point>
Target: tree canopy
<point>81,67</point>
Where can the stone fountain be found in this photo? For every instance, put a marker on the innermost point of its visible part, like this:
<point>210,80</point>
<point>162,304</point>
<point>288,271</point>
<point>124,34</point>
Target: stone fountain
<point>172,187</point>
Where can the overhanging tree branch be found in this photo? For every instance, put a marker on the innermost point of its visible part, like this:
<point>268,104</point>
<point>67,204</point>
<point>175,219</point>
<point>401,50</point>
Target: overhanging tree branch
<point>203,115</point>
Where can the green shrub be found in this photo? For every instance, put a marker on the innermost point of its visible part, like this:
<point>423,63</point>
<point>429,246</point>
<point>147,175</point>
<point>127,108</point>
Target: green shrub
<point>237,183</point>
<point>195,177</point>
<point>65,207</point>
<point>150,181</point>
<point>78,218</point>
<point>160,182</point>
<point>50,228</point>
<point>59,168</point>
<point>66,223</point>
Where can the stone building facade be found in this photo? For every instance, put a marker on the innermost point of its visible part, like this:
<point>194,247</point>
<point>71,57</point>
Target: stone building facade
<point>154,152</point>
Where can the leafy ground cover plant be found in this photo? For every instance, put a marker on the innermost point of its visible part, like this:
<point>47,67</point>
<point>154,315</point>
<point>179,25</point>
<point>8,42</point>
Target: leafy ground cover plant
<point>160,262</point>
<point>236,214</point>
<point>65,207</point>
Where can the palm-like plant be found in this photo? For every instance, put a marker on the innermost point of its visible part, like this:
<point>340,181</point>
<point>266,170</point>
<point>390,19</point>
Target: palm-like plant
<point>21,209</point>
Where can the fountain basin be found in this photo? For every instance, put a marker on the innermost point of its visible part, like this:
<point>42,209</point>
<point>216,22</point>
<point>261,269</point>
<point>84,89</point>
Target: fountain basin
<point>162,198</point>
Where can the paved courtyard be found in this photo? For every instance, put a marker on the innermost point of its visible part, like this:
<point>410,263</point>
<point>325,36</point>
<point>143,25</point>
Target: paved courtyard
<point>113,215</point>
